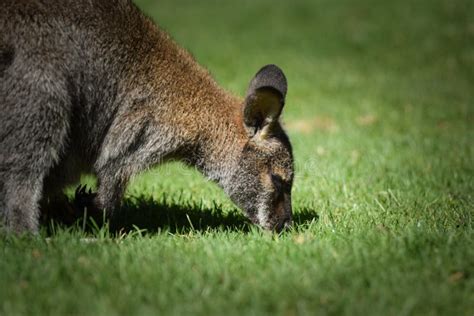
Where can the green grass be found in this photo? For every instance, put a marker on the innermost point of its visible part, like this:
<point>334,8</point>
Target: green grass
<point>380,111</point>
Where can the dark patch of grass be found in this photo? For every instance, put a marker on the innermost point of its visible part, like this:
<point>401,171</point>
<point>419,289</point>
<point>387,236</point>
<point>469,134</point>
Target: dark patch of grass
<point>146,214</point>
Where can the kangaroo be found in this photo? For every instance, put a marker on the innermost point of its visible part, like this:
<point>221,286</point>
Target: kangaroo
<point>93,86</point>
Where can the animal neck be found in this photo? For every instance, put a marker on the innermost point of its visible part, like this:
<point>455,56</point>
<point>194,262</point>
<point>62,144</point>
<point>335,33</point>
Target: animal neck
<point>220,139</point>
<point>203,120</point>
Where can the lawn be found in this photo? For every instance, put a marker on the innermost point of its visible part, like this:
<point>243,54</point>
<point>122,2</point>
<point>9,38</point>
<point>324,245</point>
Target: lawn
<point>380,111</point>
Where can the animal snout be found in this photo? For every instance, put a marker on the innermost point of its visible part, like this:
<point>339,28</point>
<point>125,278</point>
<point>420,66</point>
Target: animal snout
<point>284,224</point>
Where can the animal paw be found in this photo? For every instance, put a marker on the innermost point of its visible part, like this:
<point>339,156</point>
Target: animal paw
<point>84,198</point>
<point>84,205</point>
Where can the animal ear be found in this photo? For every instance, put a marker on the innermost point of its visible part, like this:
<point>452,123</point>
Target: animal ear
<point>264,101</point>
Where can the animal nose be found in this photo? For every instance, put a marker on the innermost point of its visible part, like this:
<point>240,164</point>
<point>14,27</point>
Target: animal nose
<point>284,225</point>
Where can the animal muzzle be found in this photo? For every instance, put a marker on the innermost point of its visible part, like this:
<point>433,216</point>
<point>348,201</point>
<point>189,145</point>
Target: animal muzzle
<point>283,224</point>
<point>279,218</point>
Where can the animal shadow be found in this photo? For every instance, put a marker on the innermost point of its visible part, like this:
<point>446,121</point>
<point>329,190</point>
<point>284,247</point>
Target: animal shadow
<point>147,214</point>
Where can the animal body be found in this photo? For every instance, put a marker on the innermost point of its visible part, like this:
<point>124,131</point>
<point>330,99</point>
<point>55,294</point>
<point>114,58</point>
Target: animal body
<point>94,86</point>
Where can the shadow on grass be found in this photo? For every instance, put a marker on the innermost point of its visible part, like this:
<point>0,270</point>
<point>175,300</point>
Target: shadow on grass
<point>147,214</point>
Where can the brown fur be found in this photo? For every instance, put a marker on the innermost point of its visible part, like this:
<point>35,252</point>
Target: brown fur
<point>95,86</point>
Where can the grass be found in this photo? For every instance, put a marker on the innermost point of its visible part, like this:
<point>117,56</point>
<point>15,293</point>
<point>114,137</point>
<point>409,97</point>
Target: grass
<point>380,111</point>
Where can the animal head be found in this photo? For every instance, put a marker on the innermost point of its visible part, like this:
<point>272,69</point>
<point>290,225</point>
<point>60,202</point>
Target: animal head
<point>262,180</point>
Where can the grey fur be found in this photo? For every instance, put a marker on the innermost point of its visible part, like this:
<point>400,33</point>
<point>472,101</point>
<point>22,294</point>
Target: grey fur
<point>93,86</point>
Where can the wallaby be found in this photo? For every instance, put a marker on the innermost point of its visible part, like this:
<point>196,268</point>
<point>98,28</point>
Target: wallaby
<point>94,86</point>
